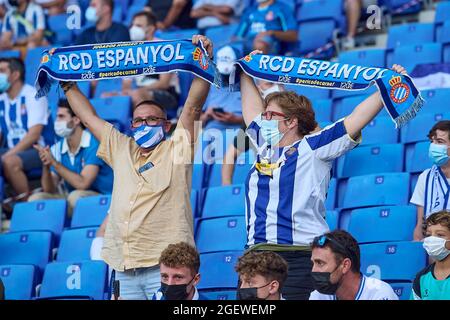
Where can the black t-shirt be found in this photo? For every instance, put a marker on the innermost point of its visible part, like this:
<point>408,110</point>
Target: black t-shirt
<point>116,33</point>
<point>161,8</point>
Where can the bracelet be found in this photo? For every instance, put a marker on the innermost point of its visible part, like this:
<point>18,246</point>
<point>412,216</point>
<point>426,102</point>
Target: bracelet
<point>67,85</point>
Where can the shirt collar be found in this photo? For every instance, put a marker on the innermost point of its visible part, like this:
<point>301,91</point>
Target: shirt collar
<point>84,143</point>
<point>196,295</point>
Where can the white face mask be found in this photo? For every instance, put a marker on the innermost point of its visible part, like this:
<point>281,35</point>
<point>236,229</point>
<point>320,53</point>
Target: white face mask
<point>137,33</point>
<point>274,88</point>
<point>435,247</point>
<point>62,130</point>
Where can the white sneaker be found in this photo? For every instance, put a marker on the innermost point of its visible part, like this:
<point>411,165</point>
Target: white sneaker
<point>348,43</point>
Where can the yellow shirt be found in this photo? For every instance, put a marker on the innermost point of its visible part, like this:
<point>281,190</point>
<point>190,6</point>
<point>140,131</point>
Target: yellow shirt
<point>151,209</point>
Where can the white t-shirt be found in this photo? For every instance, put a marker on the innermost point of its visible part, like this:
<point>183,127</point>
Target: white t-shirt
<point>19,115</point>
<point>212,21</point>
<point>369,289</point>
<point>418,197</point>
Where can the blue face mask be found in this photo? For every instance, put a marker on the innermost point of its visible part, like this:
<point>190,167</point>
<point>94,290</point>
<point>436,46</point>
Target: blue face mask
<point>148,136</point>
<point>270,132</point>
<point>91,14</point>
<point>438,153</point>
<point>4,83</point>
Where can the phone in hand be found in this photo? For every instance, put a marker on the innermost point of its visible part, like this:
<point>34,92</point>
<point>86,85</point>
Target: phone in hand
<point>218,110</point>
<point>116,289</point>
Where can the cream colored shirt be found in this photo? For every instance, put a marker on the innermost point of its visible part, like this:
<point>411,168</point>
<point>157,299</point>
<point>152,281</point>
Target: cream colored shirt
<point>151,209</point>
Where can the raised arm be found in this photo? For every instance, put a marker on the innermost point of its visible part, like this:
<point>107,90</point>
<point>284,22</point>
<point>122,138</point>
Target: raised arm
<point>366,110</point>
<point>197,95</point>
<point>252,102</point>
<point>83,109</point>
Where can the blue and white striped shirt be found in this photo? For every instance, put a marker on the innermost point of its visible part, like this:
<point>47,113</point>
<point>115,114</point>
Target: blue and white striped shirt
<point>34,15</point>
<point>289,206</point>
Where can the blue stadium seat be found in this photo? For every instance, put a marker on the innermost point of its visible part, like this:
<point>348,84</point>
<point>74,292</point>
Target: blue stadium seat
<point>18,280</point>
<point>309,92</point>
<point>417,160</point>
<point>322,109</point>
<point>221,234</point>
<point>221,35</point>
<point>75,245</point>
<point>417,129</point>
<point>382,224</point>
<point>330,202</point>
<point>10,54</point>
<point>32,62</point>
<point>116,110</point>
<point>241,169</point>
<point>217,270</point>
<point>108,85</point>
<point>412,55</point>
<point>436,100</point>
<point>194,202</point>
<point>376,190</point>
<point>224,201</point>
<point>185,81</point>
<point>177,34</point>
<point>197,176</point>
<point>90,211</point>
<point>320,9</point>
<point>343,107</point>
<point>393,260</point>
<point>332,219</point>
<point>444,38</point>
<point>316,34</point>
<point>369,57</point>
<point>219,295</point>
<point>85,88</point>
<point>373,159</point>
<point>67,280</point>
<point>393,5</point>
<point>117,14</point>
<point>32,248</point>
<point>410,34</point>
<point>131,11</point>
<point>42,215</point>
<point>402,289</point>
<point>380,130</point>
<point>58,25</point>
<point>442,16</point>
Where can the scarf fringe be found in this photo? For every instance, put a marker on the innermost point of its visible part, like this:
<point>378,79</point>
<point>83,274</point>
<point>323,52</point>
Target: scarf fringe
<point>410,113</point>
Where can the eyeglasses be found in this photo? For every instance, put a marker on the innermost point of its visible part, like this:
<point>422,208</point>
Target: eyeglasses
<point>150,121</point>
<point>268,115</point>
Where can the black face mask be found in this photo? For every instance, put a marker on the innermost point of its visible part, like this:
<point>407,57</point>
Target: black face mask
<point>250,293</point>
<point>175,291</point>
<point>322,283</point>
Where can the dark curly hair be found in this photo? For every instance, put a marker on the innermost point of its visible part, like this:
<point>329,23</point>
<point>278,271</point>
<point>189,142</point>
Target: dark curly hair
<point>181,254</point>
<point>265,263</point>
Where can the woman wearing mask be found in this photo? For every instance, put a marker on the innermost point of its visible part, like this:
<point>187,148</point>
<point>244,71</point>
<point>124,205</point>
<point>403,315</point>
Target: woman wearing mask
<point>432,190</point>
<point>162,88</point>
<point>433,282</point>
<point>74,160</point>
<point>287,187</point>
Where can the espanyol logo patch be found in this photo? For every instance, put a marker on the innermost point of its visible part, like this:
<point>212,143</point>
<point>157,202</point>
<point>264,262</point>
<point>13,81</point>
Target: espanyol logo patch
<point>400,91</point>
<point>200,57</point>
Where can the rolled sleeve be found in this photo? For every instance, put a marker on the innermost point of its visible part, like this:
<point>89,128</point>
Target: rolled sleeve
<point>332,142</point>
<point>418,197</point>
<point>112,141</point>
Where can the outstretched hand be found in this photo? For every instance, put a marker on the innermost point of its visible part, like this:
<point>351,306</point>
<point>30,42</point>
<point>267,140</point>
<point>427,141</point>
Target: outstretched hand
<point>207,44</point>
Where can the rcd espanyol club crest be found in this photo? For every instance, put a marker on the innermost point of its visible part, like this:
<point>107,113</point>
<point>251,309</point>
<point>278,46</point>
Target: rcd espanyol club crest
<point>399,91</point>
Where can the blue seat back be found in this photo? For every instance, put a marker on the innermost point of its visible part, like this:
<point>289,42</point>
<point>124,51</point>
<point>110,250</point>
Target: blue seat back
<point>373,159</point>
<point>370,57</point>
<point>410,34</point>
<point>330,202</point>
<point>224,201</point>
<point>418,160</point>
<point>108,85</point>
<point>18,281</point>
<point>315,34</point>
<point>384,224</point>
<point>393,260</point>
<point>76,245</point>
<point>402,289</point>
<point>380,130</point>
<point>412,55</point>
<point>219,294</point>
<point>90,211</point>
<point>69,279</point>
<point>221,234</point>
<point>217,270</point>
<point>322,109</point>
<point>436,100</point>
<point>377,190</point>
<point>31,247</point>
<point>116,110</point>
<point>418,128</point>
<point>42,215</point>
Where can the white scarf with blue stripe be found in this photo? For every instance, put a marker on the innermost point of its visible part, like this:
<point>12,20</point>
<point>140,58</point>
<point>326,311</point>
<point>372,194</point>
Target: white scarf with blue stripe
<point>437,191</point>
